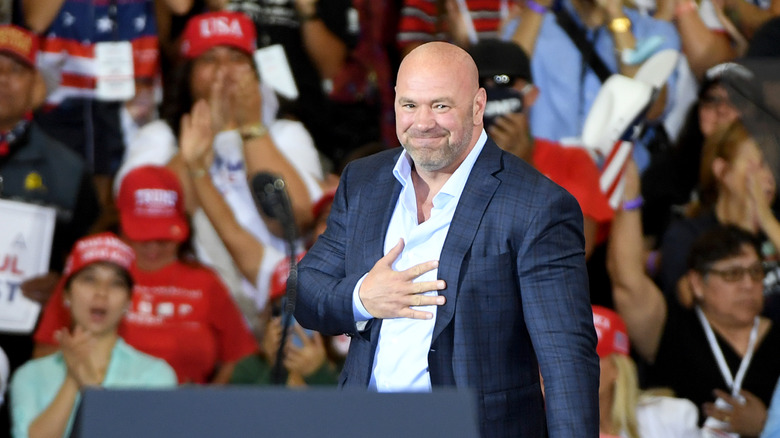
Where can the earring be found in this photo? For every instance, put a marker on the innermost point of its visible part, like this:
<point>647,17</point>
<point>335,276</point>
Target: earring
<point>67,302</point>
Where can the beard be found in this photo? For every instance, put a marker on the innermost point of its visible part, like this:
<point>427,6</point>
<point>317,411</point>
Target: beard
<point>431,158</point>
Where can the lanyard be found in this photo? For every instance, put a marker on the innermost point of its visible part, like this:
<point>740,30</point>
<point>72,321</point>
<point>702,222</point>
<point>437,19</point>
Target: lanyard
<point>735,383</point>
<point>469,22</point>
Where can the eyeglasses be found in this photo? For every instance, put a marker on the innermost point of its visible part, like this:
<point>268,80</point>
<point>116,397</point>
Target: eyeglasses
<point>737,273</point>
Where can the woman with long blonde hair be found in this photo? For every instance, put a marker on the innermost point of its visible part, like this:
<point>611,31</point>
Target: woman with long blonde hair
<point>625,411</point>
<point>736,187</point>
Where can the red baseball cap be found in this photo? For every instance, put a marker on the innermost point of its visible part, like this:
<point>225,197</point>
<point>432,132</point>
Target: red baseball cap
<point>103,247</point>
<point>151,205</point>
<point>223,28</point>
<point>324,202</point>
<point>19,43</point>
<point>279,278</point>
<point>611,331</point>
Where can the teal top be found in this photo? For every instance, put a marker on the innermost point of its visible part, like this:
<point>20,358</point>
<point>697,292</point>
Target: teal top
<point>36,383</point>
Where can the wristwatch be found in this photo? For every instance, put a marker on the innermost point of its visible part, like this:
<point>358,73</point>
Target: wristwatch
<point>252,131</point>
<point>620,25</point>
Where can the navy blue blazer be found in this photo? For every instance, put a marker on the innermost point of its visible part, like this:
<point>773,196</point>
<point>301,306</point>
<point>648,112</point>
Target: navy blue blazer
<point>517,293</point>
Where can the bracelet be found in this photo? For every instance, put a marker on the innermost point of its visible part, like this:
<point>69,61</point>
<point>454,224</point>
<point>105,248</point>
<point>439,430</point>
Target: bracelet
<point>536,7</point>
<point>633,204</point>
<point>198,173</point>
<point>651,264</point>
<point>253,131</point>
<point>620,25</point>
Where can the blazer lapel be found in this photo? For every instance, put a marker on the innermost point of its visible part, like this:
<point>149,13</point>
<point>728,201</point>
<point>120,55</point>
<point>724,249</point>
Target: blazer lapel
<point>380,200</point>
<point>479,190</point>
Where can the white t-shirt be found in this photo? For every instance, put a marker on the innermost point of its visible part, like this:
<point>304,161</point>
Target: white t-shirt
<point>156,144</point>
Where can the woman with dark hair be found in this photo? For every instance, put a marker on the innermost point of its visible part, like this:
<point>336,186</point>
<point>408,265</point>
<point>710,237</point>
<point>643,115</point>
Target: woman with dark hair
<point>97,288</point>
<point>722,355</point>
<point>218,69</point>
<point>181,311</point>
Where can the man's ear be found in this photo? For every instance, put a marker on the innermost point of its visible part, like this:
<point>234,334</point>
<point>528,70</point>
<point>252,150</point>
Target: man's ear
<point>39,92</point>
<point>480,100</point>
<point>696,283</point>
<point>530,97</point>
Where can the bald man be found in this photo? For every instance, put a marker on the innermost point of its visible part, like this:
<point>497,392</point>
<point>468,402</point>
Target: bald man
<point>454,263</point>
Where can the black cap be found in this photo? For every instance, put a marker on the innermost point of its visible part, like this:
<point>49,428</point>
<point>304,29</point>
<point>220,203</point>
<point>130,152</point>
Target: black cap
<point>495,57</point>
<point>714,75</point>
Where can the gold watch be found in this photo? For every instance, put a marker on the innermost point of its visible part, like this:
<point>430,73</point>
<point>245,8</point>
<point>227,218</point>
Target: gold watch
<point>620,25</point>
<point>252,131</point>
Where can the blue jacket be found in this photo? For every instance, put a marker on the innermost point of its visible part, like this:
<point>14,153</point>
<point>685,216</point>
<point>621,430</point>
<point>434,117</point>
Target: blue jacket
<point>514,265</point>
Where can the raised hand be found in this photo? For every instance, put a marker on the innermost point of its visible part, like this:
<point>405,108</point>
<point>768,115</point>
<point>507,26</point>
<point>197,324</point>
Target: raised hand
<point>511,133</point>
<point>244,95</point>
<point>457,26</point>
<point>196,137</point>
<point>222,113</point>
<point>758,199</point>
<point>386,293</point>
<point>80,359</point>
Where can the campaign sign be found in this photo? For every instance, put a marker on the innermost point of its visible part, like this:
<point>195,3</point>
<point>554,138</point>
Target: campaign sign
<point>25,246</point>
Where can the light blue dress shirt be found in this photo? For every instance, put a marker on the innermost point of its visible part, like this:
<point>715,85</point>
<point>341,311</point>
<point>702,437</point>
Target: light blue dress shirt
<point>772,426</point>
<point>401,358</point>
<point>36,383</point>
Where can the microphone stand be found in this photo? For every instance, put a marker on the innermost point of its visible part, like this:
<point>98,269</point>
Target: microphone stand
<point>283,212</point>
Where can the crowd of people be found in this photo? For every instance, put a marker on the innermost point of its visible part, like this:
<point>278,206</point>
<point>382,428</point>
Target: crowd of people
<point>143,123</point>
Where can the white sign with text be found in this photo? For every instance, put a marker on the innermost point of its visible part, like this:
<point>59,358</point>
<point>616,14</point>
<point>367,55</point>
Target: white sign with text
<point>25,247</point>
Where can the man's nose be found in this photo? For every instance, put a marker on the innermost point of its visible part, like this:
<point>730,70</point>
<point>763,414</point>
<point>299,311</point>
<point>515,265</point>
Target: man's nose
<point>424,118</point>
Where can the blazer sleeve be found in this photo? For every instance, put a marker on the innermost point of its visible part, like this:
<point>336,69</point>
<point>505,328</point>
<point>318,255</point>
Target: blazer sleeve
<point>556,308</point>
<point>325,286</point>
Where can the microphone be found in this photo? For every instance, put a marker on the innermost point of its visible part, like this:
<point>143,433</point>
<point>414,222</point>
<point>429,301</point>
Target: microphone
<point>270,194</point>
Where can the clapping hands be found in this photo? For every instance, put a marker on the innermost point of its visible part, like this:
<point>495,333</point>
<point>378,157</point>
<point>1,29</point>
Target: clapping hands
<point>78,350</point>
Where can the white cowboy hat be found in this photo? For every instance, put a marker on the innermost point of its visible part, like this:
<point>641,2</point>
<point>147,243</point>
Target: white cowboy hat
<point>656,70</point>
<point>620,102</point>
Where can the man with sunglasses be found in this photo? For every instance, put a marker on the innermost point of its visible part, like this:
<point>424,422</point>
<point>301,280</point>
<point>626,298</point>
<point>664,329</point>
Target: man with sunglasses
<point>505,73</point>
<point>722,354</point>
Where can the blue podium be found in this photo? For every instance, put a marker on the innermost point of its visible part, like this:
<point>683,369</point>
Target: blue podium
<point>274,412</point>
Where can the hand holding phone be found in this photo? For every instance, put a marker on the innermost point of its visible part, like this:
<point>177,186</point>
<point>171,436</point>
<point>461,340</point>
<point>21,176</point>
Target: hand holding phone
<point>501,100</point>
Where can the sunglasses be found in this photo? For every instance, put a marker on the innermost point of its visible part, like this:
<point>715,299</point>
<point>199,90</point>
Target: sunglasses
<point>737,273</point>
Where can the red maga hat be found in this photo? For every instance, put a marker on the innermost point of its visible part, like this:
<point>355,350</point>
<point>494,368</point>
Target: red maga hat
<point>611,330</point>
<point>151,205</point>
<point>222,28</point>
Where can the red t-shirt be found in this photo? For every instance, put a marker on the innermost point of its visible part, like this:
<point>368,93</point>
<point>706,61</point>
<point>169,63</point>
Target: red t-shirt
<point>574,170</point>
<point>181,313</point>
